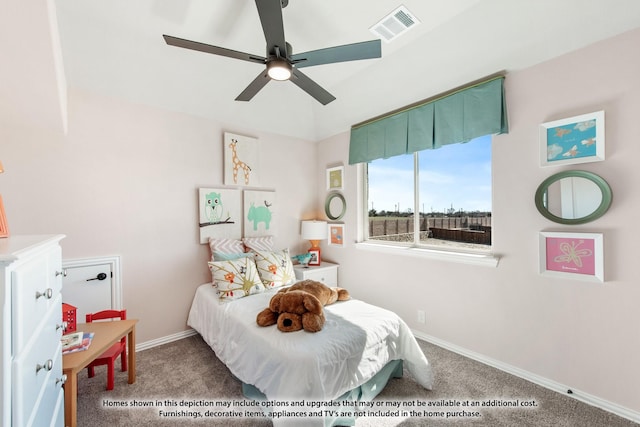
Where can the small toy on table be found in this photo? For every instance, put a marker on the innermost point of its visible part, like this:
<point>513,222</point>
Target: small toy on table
<point>303,259</point>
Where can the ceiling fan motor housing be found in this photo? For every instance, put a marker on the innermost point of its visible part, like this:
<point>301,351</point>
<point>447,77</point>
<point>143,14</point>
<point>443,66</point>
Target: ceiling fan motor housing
<point>276,51</point>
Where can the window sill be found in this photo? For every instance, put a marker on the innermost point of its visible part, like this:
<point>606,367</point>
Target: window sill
<point>486,259</point>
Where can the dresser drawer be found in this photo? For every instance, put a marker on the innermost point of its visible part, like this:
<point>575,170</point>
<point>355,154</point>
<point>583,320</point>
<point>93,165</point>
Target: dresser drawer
<point>25,335</point>
<point>36,288</point>
<point>37,368</point>
<point>325,273</point>
<point>50,410</point>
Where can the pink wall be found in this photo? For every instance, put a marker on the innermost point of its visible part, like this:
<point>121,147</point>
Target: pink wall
<point>580,334</point>
<point>124,182</point>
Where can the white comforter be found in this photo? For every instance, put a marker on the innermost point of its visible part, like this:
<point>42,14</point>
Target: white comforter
<point>357,340</point>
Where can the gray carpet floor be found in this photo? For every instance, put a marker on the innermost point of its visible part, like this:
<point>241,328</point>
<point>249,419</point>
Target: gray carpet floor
<point>189,371</point>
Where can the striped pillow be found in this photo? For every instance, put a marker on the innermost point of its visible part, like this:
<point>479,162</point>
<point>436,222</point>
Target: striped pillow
<point>262,243</point>
<point>225,246</point>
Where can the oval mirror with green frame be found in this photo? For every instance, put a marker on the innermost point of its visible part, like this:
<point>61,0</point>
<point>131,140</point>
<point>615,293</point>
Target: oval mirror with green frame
<point>335,206</point>
<point>573,197</point>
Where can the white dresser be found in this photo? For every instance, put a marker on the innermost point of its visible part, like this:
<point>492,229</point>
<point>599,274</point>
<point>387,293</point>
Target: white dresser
<point>30,349</point>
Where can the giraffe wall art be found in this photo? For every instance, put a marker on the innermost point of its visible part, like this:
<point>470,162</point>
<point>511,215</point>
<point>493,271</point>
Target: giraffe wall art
<point>241,160</point>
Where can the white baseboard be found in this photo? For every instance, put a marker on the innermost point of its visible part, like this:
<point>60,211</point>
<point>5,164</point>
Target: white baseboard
<point>164,340</point>
<point>536,379</point>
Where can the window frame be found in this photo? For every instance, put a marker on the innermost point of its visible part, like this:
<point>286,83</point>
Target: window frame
<point>412,249</point>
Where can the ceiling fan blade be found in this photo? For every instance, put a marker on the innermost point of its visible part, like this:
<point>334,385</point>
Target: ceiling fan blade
<point>207,48</point>
<point>270,12</point>
<point>347,52</point>
<point>254,87</point>
<point>311,87</point>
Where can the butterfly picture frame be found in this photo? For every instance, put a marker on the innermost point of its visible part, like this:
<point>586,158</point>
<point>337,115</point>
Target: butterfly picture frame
<point>575,140</point>
<point>572,255</point>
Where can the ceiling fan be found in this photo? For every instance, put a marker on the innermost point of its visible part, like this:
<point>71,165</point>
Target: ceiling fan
<point>281,63</point>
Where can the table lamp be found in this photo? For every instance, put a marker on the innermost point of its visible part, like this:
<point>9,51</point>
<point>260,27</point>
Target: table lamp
<point>314,231</point>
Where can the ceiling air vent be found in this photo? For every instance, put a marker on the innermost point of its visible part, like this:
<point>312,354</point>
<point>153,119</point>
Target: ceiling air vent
<point>394,24</point>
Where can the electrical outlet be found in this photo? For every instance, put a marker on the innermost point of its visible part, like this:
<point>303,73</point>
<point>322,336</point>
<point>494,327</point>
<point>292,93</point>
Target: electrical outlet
<point>421,317</point>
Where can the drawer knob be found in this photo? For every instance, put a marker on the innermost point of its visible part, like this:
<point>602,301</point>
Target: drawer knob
<point>61,380</point>
<point>62,273</point>
<point>48,365</point>
<point>48,293</point>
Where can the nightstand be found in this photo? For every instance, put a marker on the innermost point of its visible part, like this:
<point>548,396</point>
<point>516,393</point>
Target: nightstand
<point>326,272</point>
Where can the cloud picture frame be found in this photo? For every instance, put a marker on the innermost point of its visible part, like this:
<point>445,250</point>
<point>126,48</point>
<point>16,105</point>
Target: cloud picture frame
<point>575,140</point>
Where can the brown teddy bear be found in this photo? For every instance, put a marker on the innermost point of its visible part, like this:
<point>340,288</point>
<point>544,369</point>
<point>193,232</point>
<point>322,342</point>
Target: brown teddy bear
<point>300,306</point>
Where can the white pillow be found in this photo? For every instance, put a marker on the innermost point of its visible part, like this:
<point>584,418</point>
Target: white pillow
<point>236,278</point>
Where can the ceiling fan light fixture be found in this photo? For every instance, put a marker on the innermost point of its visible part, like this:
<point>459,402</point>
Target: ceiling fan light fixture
<point>279,69</point>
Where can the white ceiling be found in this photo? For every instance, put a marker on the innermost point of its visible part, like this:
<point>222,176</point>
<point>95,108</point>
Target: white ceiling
<point>115,47</point>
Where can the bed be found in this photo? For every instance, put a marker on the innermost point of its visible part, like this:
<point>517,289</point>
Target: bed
<point>359,348</point>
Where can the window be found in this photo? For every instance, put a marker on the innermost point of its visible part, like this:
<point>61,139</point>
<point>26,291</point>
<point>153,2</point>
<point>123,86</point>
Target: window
<point>434,187</point>
<point>437,198</point>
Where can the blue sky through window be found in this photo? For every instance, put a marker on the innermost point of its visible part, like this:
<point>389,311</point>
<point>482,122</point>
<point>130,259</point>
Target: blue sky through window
<point>457,175</point>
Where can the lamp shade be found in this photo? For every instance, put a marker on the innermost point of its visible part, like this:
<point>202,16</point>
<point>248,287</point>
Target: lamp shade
<point>314,230</point>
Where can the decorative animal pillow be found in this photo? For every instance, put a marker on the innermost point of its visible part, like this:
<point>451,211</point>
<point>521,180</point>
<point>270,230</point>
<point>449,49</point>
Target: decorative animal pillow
<point>236,278</point>
<point>275,268</point>
<point>301,306</point>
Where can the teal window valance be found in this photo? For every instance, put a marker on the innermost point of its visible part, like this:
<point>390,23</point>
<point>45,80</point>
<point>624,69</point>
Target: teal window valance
<point>461,116</point>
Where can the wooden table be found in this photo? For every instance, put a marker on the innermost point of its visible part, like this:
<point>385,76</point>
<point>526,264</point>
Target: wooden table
<point>105,335</point>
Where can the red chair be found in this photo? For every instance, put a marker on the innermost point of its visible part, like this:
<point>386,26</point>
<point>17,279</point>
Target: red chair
<point>118,349</point>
